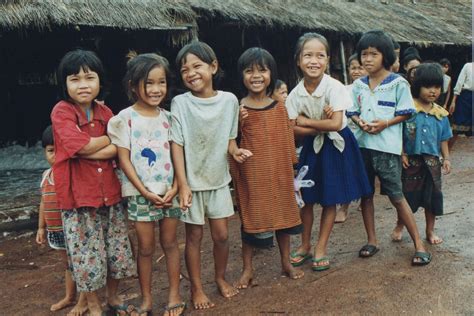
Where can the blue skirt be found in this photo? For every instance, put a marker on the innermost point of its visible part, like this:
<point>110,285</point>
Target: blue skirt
<point>462,116</point>
<point>339,177</point>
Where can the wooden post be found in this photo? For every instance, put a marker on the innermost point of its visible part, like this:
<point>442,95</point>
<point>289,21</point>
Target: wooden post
<point>343,60</point>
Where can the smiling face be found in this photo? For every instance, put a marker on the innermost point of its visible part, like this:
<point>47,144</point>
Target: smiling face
<point>356,70</point>
<point>429,94</point>
<point>197,75</point>
<point>256,79</point>
<point>83,87</point>
<point>313,59</point>
<point>152,91</point>
<point>372,60</point>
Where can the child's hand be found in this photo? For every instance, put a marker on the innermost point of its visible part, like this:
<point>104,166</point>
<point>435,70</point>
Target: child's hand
<point>185,198</point>
<point>405,162</point>
<point>376,126</point>
<point>452,108</point>
<point>446,166</point>
<point>41,236</point>
<point>328,110</point>
<point>154,198</point>
<point>243,113</point>
<point>241,155</point>
<point>170,194</point>
<point>301,120</point>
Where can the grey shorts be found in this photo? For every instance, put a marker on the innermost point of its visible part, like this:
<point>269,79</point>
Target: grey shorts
<point>213,204</point>
<point>386,166</point>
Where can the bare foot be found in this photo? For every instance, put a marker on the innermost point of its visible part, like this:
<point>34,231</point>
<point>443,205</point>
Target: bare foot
<point>397,234</point>
<point>245,280</point>
<point>65,302</point>
<point>226,289</point>
<point>79,310</point>
<point>292,272</point>
<point>341,215</point>
<point>433,239</point>
<point>200,300</point>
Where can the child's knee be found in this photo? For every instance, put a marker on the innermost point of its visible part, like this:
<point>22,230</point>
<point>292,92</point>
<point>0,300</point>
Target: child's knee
<point>168,244</point>
<point>194,236</point>
<point>220,238</point>
<point>146,251</point>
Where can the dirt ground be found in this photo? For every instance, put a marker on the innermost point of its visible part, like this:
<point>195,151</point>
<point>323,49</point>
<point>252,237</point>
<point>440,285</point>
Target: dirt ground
<point>32,277</point>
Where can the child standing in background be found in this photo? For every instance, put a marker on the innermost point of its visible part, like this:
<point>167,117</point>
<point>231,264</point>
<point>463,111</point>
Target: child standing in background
<point>264,183</point>
<point>381,101</point>
<point>203,131</point>
<point>330,150</point>
<point>280,93</point>
<point>87,188</point>
<point>50,221</point>
<point>445,95</point>
<point>141,134</point>
<point>425,141</point>
<point>355,72</point>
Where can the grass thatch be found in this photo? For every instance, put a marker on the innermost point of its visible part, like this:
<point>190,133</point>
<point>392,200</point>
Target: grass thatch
<point>423,22</point>
<point>121,14</point>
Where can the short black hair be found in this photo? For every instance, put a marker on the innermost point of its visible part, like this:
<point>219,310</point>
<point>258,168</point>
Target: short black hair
<point>278,84</point>
<point>73,62</point>
<point>351,59</point>
<point>138,70</point>
<point>205,53</point>
<point>379,40</point>
<point>445,62</point>
<point>426,75</point>
<point>47,137</point>
<point>409,57</point>
<point>259,57</point>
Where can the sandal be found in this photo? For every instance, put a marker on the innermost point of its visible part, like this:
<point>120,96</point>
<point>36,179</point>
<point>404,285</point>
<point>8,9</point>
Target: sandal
<point>171,308</point>
<point>368,251</point>
<point>320,267</point>
<point>425,258</point>
<point>297,259</point>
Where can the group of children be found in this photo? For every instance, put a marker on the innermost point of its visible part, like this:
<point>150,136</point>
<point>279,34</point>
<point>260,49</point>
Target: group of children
<point>174,166</point>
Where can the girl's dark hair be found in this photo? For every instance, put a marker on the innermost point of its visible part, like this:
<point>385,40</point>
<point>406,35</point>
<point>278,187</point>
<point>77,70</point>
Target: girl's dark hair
<point>409,57</point>
<point>351,59</point>
<point>47,137</point>
<point>426,75</point>
<point>205,53</point>
<point>302,41</point>
<point>256,56</point>
<point>278,84</point>
<point>382,42</point>
<point>138,70</point>
<point>73,62</point>
<point>445,62</point>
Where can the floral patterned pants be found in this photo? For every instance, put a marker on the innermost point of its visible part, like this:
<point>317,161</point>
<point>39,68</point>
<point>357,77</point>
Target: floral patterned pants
<point>97,245</point>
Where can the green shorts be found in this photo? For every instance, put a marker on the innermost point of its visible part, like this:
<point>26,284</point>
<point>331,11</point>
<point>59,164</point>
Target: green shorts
<point>388,167</point>
<point>213,204</point>
<point>142,210</point>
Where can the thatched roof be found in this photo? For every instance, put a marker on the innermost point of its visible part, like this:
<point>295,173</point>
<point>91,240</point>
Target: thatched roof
<point>423,22</point>
<point>121,14</point>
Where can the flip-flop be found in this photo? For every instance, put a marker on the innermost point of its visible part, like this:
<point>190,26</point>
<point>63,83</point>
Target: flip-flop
<point>370,249</point>
<point>316,267</point>
<point>120,308</point>
<point>171,308</point>
<point>425,258</point>
<point>297,259</point>
<point>140,311</point>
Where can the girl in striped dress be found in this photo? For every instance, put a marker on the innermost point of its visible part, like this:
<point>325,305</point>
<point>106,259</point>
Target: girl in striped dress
<point>264,183</point>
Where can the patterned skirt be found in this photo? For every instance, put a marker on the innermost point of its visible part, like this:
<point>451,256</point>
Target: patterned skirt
<point>422,184</point>
<point>462,116</point>
<point>339,177</point>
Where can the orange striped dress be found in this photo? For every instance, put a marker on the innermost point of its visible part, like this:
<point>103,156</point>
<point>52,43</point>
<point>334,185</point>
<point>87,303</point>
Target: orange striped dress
<point>264,183</point>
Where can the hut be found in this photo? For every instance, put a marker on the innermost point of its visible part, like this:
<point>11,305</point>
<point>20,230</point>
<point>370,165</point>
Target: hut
<point>34,34</point>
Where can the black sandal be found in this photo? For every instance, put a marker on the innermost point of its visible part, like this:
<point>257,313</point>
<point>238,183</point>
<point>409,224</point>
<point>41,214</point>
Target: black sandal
<point>368,251</point>
<point>425,258</point>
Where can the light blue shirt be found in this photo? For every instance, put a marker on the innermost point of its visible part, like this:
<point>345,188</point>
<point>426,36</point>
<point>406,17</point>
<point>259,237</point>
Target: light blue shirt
<point>390,98</point>
<point>424,132</point>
